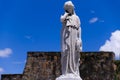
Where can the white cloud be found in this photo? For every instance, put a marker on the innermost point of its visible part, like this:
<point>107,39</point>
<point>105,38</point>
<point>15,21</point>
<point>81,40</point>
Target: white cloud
<point>5,52</point>
<point>113,44</point>
<point>93,20</point>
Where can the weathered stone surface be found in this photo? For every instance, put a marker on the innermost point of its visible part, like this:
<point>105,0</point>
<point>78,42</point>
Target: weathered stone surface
<point>117,68</point>
<point>46,66</point>
<point>97,66</point>
<point>42,66</point>
<point>11,77</point>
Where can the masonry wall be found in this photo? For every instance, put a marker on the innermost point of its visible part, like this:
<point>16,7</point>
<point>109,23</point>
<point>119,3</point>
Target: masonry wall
<point>42,66</point>
<point>97,66</point>
<point>47,66</point>
<point>11,77</point>
<point>117,73</point>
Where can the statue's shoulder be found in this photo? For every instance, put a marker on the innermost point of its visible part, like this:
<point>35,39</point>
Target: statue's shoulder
<point>77,19</point>
<point>75,16</point>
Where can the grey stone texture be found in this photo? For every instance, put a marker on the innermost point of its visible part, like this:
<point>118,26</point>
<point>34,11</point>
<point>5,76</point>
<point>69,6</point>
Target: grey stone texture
<point>117,68</point>
<point>42,66</point>
<point>47,66</point>
<point>11,77</point>
<point>97,66</point>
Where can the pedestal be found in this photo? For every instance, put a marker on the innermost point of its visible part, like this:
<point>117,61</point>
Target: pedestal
<point>69,77</point>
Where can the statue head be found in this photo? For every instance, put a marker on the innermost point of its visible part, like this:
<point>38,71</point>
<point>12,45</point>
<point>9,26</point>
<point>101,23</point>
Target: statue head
<point>69,7</point>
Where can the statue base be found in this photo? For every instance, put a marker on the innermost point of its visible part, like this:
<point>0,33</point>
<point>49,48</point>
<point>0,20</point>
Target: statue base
<point>69,77</point>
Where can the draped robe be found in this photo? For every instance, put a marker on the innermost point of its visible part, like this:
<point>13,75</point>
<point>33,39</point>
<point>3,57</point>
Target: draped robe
<point>71,44</point>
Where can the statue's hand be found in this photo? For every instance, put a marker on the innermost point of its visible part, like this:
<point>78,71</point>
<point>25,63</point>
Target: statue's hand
<point>63,17</point>
<point>66,14</point>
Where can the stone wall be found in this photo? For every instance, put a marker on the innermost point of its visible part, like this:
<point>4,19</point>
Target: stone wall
<point>42,66</point>
<point>97,66</point>
<point>11,77</point>
<point>117,73</point>
<point>46,66</point>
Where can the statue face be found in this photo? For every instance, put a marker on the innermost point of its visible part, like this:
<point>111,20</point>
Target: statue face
<point>69,9</point>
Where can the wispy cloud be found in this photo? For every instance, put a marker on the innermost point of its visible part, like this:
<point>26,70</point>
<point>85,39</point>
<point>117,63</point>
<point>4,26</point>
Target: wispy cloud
<point>93,20</point>
<point>19,62</point>
<point>101,21</point>
<point>92,11</point>
<point>25,61</point>
<point>113,44</point>
<point>5,52</point>
<point>1,70</point>
<point>28,37</point>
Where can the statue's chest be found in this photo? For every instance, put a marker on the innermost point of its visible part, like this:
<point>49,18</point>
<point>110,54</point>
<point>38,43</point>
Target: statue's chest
<point>70,21</point>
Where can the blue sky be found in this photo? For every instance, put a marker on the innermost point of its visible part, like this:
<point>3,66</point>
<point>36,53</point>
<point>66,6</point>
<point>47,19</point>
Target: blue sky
<point>34,25</point>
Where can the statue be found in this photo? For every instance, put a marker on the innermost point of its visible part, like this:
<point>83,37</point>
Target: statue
<point>71,43</point>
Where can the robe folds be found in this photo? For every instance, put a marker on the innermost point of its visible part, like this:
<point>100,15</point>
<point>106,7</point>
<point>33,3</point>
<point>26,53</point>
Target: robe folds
<point>71,44</point>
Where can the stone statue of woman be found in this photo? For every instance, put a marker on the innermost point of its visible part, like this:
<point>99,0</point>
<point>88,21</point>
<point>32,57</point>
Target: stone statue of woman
<point>71,43</point>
